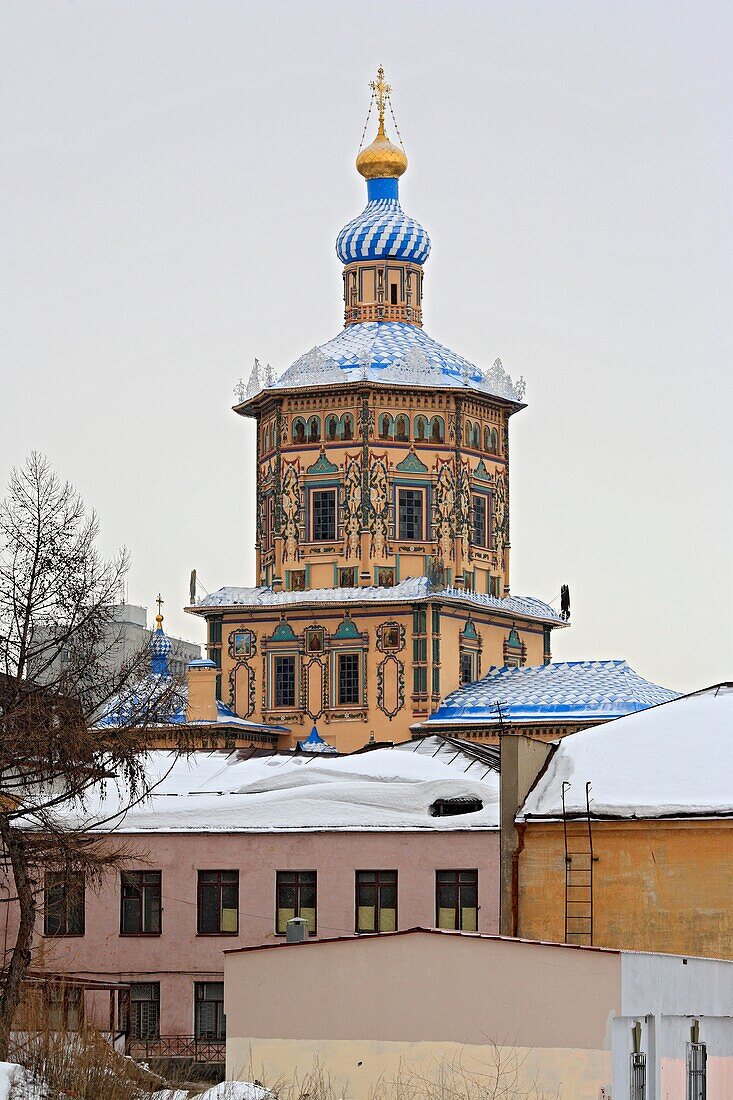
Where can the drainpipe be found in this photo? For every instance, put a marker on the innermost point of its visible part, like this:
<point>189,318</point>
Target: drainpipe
<point>515,876</point>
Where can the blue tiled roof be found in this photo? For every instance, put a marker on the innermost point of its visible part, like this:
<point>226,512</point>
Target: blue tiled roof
<point>315,743</point>
<point>383,230</point>
<point>566,691</point>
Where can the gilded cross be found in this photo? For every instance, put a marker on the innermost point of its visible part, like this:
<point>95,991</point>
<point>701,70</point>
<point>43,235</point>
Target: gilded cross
<point>160,601</point>
<point>381,89</point>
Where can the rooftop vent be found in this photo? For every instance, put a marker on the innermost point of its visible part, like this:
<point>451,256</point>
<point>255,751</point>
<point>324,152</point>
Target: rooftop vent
<point>452,807</point>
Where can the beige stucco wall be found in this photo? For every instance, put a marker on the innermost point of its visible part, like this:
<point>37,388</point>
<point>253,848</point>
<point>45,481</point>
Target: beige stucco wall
<point>363,1069</point>
<point>382,999</point>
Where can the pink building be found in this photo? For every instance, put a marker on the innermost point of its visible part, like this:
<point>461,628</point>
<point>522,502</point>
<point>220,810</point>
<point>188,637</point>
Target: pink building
<point>228,848</point>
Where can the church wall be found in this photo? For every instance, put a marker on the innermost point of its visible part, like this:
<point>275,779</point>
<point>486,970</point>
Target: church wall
<point>366,447</point>
<point>407,657</point>
<point>658,885</point>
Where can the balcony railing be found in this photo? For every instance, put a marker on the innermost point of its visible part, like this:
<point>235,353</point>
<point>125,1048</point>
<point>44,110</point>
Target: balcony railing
<point>178,1046</point>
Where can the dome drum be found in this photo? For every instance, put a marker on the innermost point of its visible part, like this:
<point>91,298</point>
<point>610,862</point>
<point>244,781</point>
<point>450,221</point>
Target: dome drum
<point>386,290</point>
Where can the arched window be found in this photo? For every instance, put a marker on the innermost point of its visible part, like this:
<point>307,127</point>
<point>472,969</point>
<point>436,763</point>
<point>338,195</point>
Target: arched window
<point>386,426</point>
<point>402,425</point>
<point>332,427</point>
<point>494,441</point>
<point>314,429</point>
<point>437,430</point>
<point>347,426</point>
<point>299,430</point>
<point>421,429</point>
<point>468,436</point>
<point>487,439</point>
<point>476,437</point>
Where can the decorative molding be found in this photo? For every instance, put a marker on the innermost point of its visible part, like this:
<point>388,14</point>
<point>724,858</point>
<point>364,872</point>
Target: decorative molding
<point>283,632</point>
<point>347,628</point>
<point>481,473</point>
<point>412,465</point>
<point>322,465</point>
<point>382,702</point>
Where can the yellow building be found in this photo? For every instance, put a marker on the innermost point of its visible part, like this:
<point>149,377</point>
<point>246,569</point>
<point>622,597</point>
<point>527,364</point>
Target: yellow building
<point>626,837</point>
<point>382,508</point>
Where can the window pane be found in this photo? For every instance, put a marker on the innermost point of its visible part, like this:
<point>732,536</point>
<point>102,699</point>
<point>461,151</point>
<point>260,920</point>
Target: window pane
<point>324,515</point>
<point>209,909</point>
<point>285,681</point>
<point>131,915</point>
<point>410,514</point>
<point>366,918</point>
<point>348,678</point>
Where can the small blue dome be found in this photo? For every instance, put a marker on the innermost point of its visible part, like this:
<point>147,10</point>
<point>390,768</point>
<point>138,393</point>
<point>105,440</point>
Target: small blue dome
<point>160,649</point>
<point>383,230</point>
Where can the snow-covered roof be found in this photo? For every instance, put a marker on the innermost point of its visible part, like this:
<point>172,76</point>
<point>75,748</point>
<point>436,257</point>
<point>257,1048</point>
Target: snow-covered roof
<point>562,692</point>
<point>385,789</point>
<point>675,759</point>
<point>395,353</point>
<point>410,590</point>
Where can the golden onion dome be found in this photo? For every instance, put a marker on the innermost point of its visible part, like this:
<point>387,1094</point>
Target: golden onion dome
<point>381,159</point>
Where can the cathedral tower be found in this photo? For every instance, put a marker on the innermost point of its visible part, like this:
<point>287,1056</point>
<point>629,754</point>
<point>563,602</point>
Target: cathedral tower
<point>382,506</point>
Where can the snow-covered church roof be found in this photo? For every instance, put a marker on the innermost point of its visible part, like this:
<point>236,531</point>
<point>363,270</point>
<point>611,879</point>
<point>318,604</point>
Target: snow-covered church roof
<point>563,692</point>
<point>384,789</point>
<point>673,760</point>
<point>393,353</point>
<point>412,590</point>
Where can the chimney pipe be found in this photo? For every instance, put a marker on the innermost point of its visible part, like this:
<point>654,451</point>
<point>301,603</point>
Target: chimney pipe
<point>201,676</point>
<point>296,930</point>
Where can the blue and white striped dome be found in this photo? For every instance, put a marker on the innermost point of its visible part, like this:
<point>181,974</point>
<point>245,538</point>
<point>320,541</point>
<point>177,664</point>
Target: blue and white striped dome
<point>383,230</point>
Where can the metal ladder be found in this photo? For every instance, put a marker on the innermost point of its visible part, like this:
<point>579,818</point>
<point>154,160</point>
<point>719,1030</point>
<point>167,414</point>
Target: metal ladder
<point>579,860</point>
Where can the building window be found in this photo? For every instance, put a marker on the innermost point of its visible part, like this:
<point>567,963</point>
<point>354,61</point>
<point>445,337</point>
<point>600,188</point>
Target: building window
<point>393,294</point>
<point>218,903</point>
<point>296,897</point>
<point>376,901</point>
<point>457,900</point>
<point>144,1022</point>
<point>467,676</point>
<point>419,651</point>
<point>63,913</point>
<point>347,676</point>
<point>64,1007</point>
<point>324,514</point>
<point>385,577</point>
<point>638,1076</point>
<point>211,1023</point>
<point>213,645</point>
<point>284,681</point>
<point>697,1057</point>
<point>347,577</point>
<point>410,514</point>
<point>480,517</point>
<point>141,903</point>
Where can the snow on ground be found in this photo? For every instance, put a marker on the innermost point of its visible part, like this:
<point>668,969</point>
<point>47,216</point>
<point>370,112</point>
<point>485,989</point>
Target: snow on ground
<point>236,1090</point>
<point>17,1084</point>
<point>383,789</point>
<point>673,759</point>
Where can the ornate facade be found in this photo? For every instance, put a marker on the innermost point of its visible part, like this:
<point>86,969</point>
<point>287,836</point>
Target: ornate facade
<point>383,552</point>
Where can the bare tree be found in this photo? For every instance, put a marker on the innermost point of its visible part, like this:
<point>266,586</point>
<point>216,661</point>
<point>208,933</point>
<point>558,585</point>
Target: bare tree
<point>58,674</point>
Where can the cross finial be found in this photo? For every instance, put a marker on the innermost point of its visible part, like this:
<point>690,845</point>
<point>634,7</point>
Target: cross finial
<point>381,89</point>
<point>159,617</point>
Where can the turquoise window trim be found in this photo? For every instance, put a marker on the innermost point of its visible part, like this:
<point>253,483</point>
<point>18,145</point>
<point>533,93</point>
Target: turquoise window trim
<point>307,575</point>
<point>397,568</point>
<point>335,574</point>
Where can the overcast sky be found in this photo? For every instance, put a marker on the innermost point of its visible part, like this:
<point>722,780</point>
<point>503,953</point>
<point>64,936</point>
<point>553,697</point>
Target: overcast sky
<point>173,178</point>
